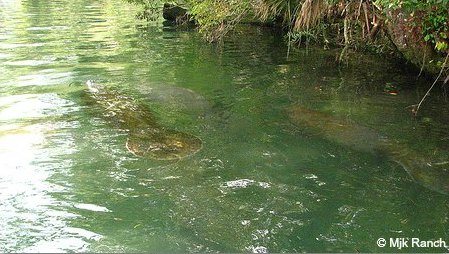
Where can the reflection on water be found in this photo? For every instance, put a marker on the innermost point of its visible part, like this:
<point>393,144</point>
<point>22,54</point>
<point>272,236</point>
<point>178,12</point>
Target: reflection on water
<point>28,159</point>
<point>259,183</point>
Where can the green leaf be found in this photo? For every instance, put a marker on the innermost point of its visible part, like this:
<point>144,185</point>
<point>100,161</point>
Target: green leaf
<point>441,46</point>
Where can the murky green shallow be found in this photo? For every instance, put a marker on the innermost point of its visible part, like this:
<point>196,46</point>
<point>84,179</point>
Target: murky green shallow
<point>260,182</point>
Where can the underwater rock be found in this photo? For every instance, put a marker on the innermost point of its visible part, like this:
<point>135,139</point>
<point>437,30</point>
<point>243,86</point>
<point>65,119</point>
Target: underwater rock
<point>434,176</point>
<point>146,138</point>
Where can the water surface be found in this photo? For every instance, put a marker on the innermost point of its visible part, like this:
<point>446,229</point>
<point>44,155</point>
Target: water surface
<point>260,182</point>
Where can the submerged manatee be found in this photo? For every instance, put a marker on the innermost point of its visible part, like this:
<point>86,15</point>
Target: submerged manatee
<point>145,137</point>
<point>177,98</point>
<point>434,176</point>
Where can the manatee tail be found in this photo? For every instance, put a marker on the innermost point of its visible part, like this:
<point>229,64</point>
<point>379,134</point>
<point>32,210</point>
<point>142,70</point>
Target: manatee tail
<point>434,176</point>
<point>421,168</point>
<point>161,144</point>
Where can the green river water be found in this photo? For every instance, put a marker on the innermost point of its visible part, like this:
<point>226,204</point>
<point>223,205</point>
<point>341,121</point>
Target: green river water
<point>260,182</point>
